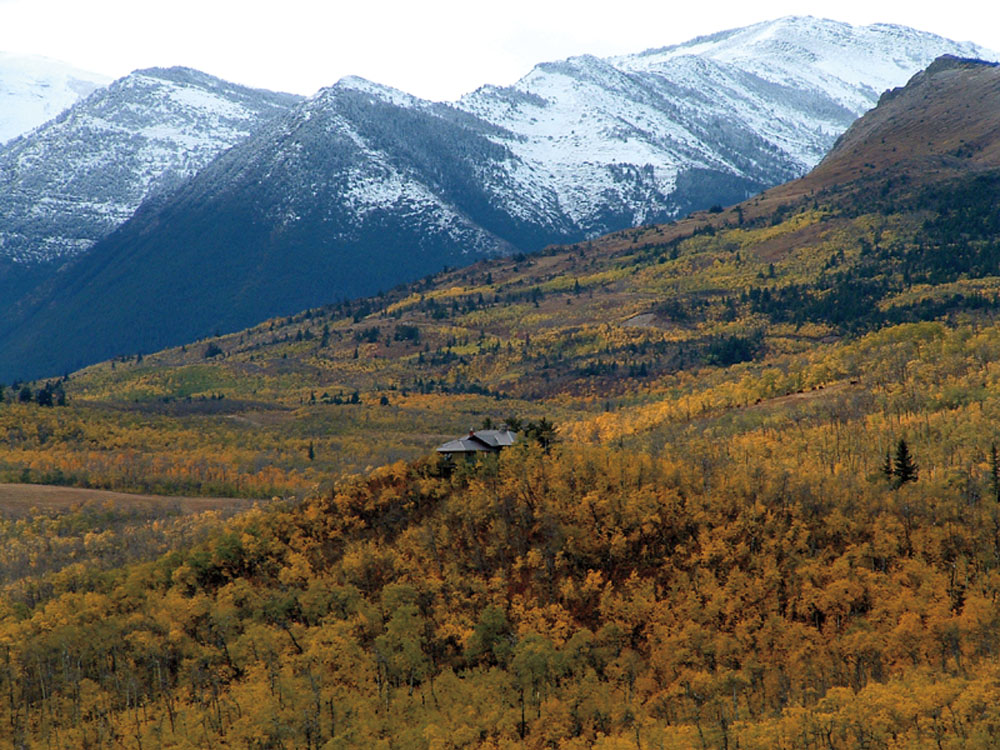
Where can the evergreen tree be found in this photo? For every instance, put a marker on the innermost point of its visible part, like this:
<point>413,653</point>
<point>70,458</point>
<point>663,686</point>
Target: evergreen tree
<point>543,432</point>
<point>44,397</point>
<point>903,467</point>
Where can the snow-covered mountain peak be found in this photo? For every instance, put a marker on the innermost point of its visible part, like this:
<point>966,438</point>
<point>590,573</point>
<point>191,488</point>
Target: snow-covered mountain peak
<point>377,90</point>
<point>35,89</point>
<point>85,172</point>
<point>854,64</point>
<point>743,108</point>
<point>580,68</point>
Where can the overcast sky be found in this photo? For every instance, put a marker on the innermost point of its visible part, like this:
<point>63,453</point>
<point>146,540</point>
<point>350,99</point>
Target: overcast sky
<point>437,49</point>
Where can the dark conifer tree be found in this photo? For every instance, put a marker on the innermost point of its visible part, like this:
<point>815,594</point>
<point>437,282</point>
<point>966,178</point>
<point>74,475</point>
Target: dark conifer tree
<point>903,467</point>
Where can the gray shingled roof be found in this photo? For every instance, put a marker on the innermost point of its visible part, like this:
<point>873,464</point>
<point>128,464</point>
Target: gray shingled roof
<point>480,441</point>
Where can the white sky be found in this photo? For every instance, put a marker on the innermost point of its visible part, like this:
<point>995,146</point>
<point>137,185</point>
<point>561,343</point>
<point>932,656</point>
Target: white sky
<point>437,49</point>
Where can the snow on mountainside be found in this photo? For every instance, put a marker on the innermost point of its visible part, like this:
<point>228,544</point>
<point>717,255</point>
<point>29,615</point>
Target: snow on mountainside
<point>587,145</point>
<point>456,136</point>
<point>72,181</point>
<point>344,143</point>
<point>645,137</point>
<point>853,64</point>
<point>33,90</point>
<point>342,196</point>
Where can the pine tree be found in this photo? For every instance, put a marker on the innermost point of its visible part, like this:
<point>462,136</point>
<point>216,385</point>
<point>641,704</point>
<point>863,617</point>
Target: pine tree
<point>903,467</point>
<point>44,397</point>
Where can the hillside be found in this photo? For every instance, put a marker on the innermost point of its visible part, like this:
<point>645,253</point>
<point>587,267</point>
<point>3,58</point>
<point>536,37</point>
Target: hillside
<point>770,519</point>
<point>619,321</point>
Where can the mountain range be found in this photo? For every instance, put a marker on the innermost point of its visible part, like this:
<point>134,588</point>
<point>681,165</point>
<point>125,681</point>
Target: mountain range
<point>362,187</point>
<point>84,173</point>
<point>72,181</point>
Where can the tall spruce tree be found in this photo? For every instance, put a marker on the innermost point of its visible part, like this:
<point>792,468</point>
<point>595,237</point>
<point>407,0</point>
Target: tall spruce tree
<point>903,468</point>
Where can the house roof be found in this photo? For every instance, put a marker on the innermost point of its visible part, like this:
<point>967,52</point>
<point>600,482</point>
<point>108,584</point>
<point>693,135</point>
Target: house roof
<point>496,438</point>
<point>480,441</point>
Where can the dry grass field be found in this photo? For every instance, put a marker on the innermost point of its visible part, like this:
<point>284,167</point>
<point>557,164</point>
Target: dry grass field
<point>17,500</point>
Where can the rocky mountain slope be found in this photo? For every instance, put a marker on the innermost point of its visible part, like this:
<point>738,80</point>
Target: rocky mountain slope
<point>33,90</point>
<point>647,137</point>
<point>72,181</point>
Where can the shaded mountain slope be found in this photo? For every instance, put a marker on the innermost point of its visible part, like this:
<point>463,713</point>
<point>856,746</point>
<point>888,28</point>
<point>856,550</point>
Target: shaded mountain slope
<point>242,241</point>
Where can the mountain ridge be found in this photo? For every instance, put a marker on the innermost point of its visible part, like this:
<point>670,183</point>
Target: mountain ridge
<point>74,179</point>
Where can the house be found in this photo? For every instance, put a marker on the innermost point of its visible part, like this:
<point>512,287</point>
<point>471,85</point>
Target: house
<point>479,442</point>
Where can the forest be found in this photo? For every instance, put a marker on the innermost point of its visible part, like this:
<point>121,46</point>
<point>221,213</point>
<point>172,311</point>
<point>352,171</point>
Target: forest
<point>584,597</point>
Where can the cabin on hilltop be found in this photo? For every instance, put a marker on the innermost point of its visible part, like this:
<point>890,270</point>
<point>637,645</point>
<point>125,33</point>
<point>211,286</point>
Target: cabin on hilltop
<point>478,442</point>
